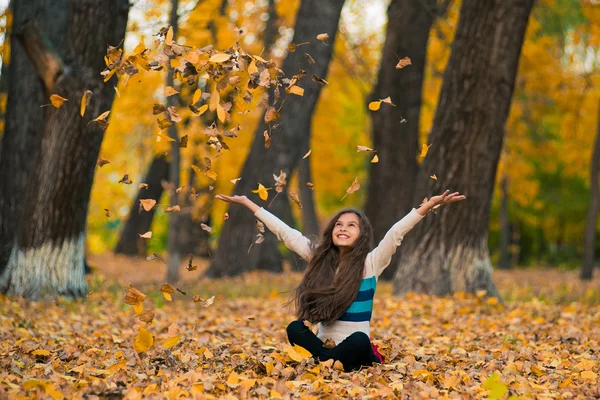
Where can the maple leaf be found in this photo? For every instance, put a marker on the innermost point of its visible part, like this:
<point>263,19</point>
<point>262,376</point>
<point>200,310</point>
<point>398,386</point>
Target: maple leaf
<point>280,181</point>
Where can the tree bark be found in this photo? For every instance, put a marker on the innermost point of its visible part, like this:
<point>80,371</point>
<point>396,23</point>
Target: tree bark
<point>448,252</point>
<point>589,240</point>
<point>310,222</point>
<point>396,141</point>
<point>232,258</point>
<point>48,256</point>
<point>504,227</point>
<point>138,221</point>
<point>174,247</point>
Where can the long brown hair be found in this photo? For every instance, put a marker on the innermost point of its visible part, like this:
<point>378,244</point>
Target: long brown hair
<point>323,295</point>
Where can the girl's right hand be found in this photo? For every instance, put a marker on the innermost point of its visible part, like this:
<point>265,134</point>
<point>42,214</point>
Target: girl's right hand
<point>232,199</point>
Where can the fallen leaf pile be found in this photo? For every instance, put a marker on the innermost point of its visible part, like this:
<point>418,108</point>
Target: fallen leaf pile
<point>122,342</point>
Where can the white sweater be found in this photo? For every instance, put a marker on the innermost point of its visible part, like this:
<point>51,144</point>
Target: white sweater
<point>358,316</point>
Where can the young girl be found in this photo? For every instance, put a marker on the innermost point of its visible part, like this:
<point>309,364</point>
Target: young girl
<point>338,286</point>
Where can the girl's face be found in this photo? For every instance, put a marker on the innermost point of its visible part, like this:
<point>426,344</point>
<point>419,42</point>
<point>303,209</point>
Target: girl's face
<point>346,230</point>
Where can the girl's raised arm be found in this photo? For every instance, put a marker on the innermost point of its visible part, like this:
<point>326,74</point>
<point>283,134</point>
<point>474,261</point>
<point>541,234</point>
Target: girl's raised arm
<point>293,239</point>
<point>381,256</point>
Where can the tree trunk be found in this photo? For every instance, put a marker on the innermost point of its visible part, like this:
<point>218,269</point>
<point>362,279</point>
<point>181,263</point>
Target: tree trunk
<point>396,141</point>
<point>174,247</point>
<point>288,139</point>
<point>47,259</point>
<point>448,252</point>
<point>24,118</point>
<point>138,221</point>
<point>310,223</point>
<point>192,238</point>
<point>589,240</point>
<point>504,227</point>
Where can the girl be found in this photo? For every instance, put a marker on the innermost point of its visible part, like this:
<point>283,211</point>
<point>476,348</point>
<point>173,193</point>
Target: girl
<point>338,286</point>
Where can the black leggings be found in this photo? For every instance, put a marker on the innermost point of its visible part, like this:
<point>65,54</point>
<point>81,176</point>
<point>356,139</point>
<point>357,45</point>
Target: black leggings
<point>354,352</point>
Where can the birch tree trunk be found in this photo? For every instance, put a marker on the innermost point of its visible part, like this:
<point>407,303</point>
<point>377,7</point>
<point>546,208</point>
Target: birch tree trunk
<point>448,252</point>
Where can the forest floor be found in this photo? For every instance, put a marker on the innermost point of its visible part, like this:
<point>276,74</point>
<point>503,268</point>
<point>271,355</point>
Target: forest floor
<point>543,342</point>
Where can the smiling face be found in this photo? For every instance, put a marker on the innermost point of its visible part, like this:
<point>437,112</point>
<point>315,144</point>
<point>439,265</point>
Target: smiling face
<point>346,230</point>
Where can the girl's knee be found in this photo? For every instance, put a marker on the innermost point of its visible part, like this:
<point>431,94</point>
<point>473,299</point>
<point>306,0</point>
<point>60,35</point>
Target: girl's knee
<point>295,327</point>
<point>361,340</point>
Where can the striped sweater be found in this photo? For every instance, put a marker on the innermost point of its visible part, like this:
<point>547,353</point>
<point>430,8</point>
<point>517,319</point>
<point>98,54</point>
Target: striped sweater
<point>358,316</point>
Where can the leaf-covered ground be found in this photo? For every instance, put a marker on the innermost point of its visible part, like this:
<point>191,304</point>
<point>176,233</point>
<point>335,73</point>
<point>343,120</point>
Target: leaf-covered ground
<point>234,345</point>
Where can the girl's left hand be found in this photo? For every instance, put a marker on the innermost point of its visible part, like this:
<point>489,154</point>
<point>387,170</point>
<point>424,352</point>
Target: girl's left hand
<point>445,198</point>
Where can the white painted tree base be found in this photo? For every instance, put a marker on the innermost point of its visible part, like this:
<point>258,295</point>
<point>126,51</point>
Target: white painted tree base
<point>47,271</point>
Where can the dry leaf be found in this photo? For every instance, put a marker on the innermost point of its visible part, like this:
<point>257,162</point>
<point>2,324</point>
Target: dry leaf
<point>310,59</point>
<point>215,99</point>
<point>209,302</point>
<point>267,139</point>
<point>134,296</point>
<point>403,63</point>
<point>206,228</point>
<point>260,226</point>
<point>147,203</point>
<point>196,96</point>
<point>169,36</point>
<point>374,105</point>
<point>57,101</point>
<point>101,162</point>
<point>433,177</point>
<point>280,181</point>
<point>375,159</point>
<point>142,186</point>
<point>320,80</point>
<point>174,208</point>
<point>297,90</point>
<point>307,154</point>
<point>353,188</point>
<point>191,267</point>
<point>146,316</point>
<point>296,199</point>
<point>322,36</point>
<point>225,216</point>
<point>236,180</point>
<point>146,235</point>
<point>143,341</point>
<point>220,58</point>
<point>125,179</point>
<point>107,213</point>
<point>183,142</point>
<point>363,148</point>
<point>271,115</point>
<point>388,100</point>
<point>310,186</point>
<point>85,101</point>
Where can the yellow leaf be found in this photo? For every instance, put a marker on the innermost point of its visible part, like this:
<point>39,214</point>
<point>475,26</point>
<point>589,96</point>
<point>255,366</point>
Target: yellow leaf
<point>221,114</point>
<point>147,203</point>
<point>375,159</point>
<point>167,296</point>
<point>433,177</point>
<point>138,308</point>
<point>196,96</point>
<point>374,105</point>
<point>146,235</point>
<point>252,67</point>
<point>297,90</point>
<point>117,92</point>
<point>85,99</point>
<point>202,110</point>
<point>302,351</point>
<point>165,137</point>
<point>57,101</point>
<point>170,91</point>
<point>143,341</point>
<point>424,150</point>
<point>172,341</point>
<point>169,36</point>
<point>293,354</point>
<point>220,57</point>
<point>589,375</point>
<point>211,174</point>
<point>102,116</point>
<point>41,352</point>
<point>262,192</point>
<point>247,383</point>
<point>353,188</point>
<point>134,296</point>
<point>215,98</point>
<point>236,180</point>
<point>233,380</point>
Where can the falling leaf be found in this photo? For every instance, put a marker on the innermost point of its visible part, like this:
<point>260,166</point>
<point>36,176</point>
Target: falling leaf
<point>363,148</point>
<point>101,117</point>
<point>211,174</point>
<point>252,69</point>
<point>375,159</point>
<point>310,59</point>
<point>174,208</point>
<point>296,199</point>
<point>225,216</point>
<point>433,177</point>
<point>146,316</point>
<point>310,186</point>
<point>236,180</point>
<point>169,37</point>
<point>142,186</point>
<point>146,235</point>
<point>117,91</point>
<point>280,181</point>
<point>206,228</point>
<point>102,162</point>
<point>307,154</point>
<point>353,188</point>
<point>147,203</point>
<point>220,58</point>
<point>85,101</point>
<point>267,139</point>
<point>143,341</point>
<point>260,226</point>
<point>374,105</point>
<point>166,290</point>
<point>179,189</point>
<point>388,100</point>
<point>292,47</point>
<point>424,150</point>
<point>196,96</point>
<point>403,63</point>
<point>403,121</point>
<point>125,179</point>
<point>196,298</point>
<point>322,36</point>
<point>57,101</point>
<point>221,114</point>
<point>320,80</point>
<point>183,142</point>
<point>215,99</point>
<point>170,91</point>
<point>271,115</point>
<point>107,213</point>
<point>165,137</point>
<point>297,90</point>
<point>209,302</point>
<point>134,296</point>
<point>262,192</point>
<point>172,341</point>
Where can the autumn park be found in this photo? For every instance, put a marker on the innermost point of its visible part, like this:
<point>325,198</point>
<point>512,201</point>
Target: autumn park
<point>299,199</point>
